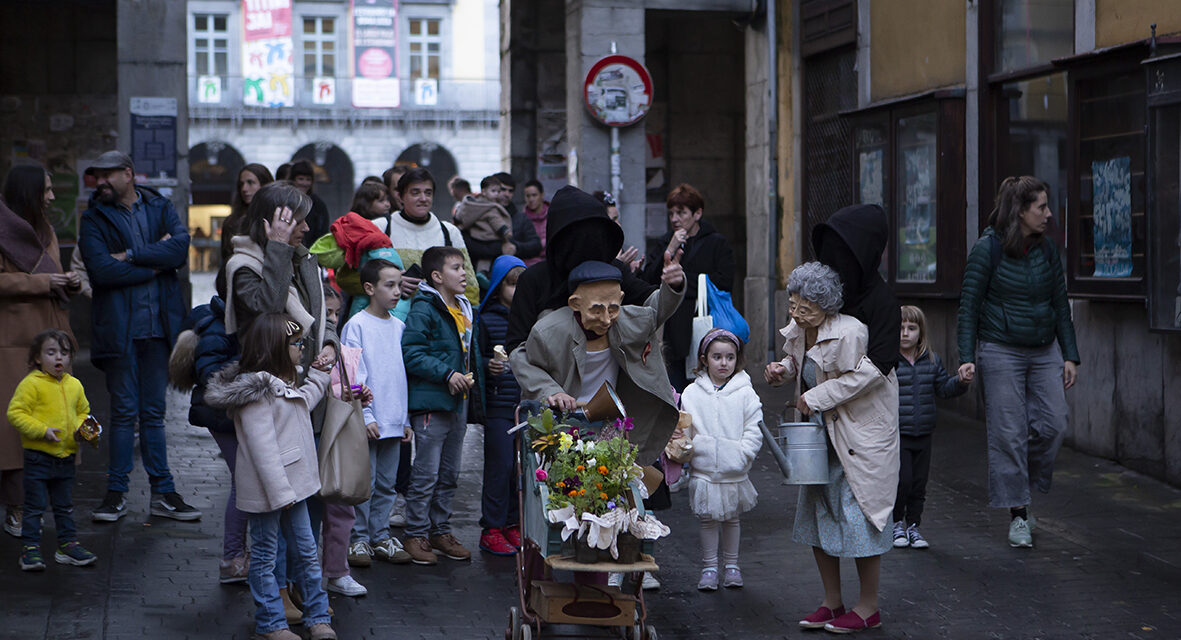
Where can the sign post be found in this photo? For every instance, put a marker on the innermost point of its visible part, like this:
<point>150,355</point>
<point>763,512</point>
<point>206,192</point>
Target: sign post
<point>618,93</point>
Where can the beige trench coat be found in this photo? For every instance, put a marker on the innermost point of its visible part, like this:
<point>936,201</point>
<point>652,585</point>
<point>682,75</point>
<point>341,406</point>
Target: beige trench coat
<point>860,406</point>
<point>26,308</point>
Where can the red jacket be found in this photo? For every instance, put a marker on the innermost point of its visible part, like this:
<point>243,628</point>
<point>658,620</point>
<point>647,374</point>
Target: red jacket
<point>355,235</point>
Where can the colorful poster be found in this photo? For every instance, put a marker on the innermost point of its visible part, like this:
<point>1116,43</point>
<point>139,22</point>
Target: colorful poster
<point>209,89</point>
<point>916,224</point>
<point>1112,181</point>
<point>268,67</point>
<point>375,53</point>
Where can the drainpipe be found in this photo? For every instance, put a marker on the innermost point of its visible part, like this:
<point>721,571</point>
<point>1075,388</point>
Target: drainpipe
<point>773,172</point>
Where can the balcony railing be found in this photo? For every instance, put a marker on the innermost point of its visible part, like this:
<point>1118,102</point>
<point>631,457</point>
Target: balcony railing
<point>313,98</point>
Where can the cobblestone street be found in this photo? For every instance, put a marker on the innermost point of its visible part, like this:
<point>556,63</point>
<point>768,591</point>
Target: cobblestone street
<point>1105,565</point>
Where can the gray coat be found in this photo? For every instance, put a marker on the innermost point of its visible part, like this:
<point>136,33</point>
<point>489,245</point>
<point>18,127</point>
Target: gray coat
<point>553,359</point>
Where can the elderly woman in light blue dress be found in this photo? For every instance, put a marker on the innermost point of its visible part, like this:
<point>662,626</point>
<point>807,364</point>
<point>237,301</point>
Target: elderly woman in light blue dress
<point>848,517</point>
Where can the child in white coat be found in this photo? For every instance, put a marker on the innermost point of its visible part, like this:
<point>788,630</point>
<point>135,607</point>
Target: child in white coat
<point>726,437</point>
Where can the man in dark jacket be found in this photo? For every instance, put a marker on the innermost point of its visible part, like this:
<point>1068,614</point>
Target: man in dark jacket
<point>577,230</point>
<point>525,243</point>
<point>851,243</point>
<point>704,251</point>
<point>133,243</point>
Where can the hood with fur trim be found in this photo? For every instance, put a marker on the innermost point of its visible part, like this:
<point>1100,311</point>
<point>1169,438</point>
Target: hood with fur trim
<point>230,389</point>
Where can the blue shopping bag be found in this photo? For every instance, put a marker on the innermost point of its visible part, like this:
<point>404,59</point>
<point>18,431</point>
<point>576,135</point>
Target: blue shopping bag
<point>725,316</point>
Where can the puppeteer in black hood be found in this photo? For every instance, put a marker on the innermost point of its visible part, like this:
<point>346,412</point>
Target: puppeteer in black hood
<point>851,242</point>
<point>577,230</point>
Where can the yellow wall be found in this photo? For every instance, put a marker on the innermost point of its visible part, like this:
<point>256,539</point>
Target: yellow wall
<point>789,253</point>
<point>915,45</point>
<point>1120,21</point>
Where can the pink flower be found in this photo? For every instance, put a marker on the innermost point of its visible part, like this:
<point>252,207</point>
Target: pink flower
<point>541,475</point>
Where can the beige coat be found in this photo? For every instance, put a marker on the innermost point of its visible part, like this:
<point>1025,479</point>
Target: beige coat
<point>861,409</point>
<point>27,307</point>
<point>553,360</point>
<point>277,462</point>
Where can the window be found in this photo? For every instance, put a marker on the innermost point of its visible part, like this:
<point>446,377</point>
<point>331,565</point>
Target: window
<point>426,44</point>
<point>210,44</point>
<point>909,159</point>
<point>1031,33</point>
<point>319,47</point>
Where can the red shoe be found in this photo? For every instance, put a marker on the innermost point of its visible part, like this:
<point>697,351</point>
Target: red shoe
<point>513,535</point>
<point>492,541</point>
<point>821,617</point>
<point>851,622</point>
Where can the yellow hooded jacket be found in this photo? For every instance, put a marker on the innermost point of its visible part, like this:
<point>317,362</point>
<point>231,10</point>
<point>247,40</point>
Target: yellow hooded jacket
<point>40,402</point>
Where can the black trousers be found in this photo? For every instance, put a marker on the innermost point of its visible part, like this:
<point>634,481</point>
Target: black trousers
<point>913,473</point>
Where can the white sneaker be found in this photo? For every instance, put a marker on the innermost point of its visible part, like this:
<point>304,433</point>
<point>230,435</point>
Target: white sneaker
<point>398,513</point>
<point>650,582</point>
<point>614,579</point>
<point>346,586</point>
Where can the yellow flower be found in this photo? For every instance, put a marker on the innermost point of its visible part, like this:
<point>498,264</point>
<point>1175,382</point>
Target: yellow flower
<point>565,442</point>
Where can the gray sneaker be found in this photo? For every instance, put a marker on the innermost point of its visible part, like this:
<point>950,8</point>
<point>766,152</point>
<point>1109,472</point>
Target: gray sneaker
<point>114,506</point>
<point>900,537</point>
<point>398,513</point>
<point>732,577</point>
<point>1019,535</point>
<point>709,580</point>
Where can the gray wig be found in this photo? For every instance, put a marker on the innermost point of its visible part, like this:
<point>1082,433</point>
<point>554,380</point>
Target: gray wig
<point>818,284</point>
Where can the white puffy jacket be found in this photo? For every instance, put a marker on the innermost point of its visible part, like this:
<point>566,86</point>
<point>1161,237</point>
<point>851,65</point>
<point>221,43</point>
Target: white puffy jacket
<point>726,435</point>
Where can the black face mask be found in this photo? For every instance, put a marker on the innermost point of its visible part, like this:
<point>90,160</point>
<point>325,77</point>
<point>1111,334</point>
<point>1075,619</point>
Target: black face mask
<point>579,243</point>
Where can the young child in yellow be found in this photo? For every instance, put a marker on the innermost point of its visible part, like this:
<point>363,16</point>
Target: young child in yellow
<point>47,408</point>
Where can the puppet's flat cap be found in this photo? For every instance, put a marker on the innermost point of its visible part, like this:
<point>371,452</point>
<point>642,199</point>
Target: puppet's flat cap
<point>593,271</point>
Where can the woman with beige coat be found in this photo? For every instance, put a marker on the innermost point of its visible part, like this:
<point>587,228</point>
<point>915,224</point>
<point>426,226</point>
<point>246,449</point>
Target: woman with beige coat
<point>33,297</point>
<point>848,517</point>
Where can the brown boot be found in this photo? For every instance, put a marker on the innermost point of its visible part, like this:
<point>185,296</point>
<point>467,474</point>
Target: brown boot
<point>420,551</point>
<point>322,631</point>
<point>277,634</point>
<point>447,545</point>
<point>292,612</point>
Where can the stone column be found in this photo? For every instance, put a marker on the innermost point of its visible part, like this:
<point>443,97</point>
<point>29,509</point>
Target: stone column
<point>591,27</point>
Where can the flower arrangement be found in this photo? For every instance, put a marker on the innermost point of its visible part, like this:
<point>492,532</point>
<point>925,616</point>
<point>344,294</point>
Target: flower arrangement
<point>590,479</point>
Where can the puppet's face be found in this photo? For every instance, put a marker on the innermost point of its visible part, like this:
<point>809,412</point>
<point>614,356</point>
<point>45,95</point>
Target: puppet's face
<point>598,305</point>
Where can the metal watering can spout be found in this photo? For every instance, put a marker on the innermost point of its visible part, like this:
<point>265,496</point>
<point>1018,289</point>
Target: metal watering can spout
<point>800,450</point>
<point>780,457</point>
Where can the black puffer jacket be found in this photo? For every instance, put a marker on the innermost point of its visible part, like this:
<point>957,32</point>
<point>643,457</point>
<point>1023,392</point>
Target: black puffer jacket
<point>918,386</point>
<point>215,349</point>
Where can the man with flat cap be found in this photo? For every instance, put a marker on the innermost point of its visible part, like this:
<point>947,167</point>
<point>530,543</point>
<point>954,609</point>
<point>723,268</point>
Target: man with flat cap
<point>133,243</point>
<point>596,338</point>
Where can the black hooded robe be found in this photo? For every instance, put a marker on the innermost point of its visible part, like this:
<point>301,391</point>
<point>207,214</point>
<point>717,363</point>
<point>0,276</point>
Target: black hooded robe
<point>851,242</point>
<point>577,230</point>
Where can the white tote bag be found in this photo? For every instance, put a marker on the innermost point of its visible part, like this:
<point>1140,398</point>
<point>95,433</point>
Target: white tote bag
<point>702,323</point>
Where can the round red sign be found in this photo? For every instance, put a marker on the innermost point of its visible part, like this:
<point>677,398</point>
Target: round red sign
<point>618,91</point>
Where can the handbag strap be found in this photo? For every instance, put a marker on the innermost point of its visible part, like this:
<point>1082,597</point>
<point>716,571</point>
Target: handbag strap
<point>346,388</point>
<point>702,295</point>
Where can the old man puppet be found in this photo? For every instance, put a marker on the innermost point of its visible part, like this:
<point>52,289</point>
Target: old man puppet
<point>572,351</point>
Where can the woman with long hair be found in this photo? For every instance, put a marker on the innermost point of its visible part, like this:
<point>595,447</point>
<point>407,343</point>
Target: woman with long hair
<point>33,295</point>
<point>251,178</point>
<point>1015,326</point>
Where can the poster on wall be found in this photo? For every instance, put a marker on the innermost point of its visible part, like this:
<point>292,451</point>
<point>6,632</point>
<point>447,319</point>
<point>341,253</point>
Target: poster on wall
<point>1113,217</point>
<point>153,140</point>
<point>375,53</point>
<point>268,59</point>
<point>916,228</point>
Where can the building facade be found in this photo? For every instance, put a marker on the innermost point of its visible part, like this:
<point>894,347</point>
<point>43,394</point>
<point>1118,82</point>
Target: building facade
<point>433,103</point>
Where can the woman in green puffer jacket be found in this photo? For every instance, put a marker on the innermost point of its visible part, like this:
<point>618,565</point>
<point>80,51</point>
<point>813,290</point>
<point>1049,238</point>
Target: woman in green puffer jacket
<point>1013,309</point>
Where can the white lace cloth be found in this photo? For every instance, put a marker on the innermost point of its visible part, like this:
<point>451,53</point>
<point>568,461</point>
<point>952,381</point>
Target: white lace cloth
<point>602,532</point>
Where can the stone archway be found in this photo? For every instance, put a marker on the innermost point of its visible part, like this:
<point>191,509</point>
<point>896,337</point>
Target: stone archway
<point>334,175</point>
<point>213,171</point>
<point>438,160</point>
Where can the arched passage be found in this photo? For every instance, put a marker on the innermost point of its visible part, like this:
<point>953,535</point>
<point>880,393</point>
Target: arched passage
<point>439,161</point>
<point>334,175</point>
<point>213,170</point>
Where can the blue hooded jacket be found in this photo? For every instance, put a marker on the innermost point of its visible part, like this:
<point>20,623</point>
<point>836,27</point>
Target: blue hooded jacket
<point>502,393</point>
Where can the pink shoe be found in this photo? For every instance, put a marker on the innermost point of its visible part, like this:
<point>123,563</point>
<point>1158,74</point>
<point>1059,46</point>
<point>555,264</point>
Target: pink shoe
<point>821,617</point>
<point>851,622</point>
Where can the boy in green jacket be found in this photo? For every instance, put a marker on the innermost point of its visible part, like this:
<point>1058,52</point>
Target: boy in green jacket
<point>441,369</point>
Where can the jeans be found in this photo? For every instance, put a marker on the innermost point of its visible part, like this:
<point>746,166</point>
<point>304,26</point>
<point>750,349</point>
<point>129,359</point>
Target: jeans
<point>439,443</point>
<point>1026,416</point>
<point>136,384</point>
<point>265,531</point>
<point>49,480</point>
<point>373,516</point>
<point>499,505</point>
<point>913,472</point>
<point>402,486</point>
<point>233,544</point>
